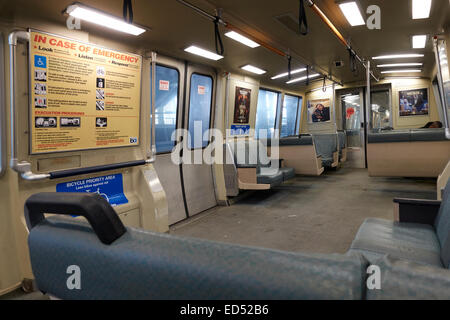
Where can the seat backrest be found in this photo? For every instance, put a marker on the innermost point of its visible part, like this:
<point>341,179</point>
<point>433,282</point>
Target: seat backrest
<point>249,153</point>
<point>325,144</point>
<point>442,226</point>
<point>149,265</point>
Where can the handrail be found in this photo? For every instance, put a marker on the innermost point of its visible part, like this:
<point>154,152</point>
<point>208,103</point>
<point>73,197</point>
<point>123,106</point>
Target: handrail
<point>3,149</point>
<point>441,87</point>
<point>24,167</point>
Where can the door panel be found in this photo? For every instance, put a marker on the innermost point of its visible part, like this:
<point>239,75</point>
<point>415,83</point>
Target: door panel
<point>168,115</point>
<point>198,178</point>
<point>352,106</point>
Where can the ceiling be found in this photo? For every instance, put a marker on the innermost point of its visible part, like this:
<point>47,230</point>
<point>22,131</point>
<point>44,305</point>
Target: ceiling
<point>174,27</point>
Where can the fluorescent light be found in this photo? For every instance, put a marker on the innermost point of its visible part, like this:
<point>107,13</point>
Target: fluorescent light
<point>400,65</point>
<point>352,13</point>
<point>253,69</point>
<point>419,42</point>
<point>303,78</point>
<point>421,9</point>
<point>102,19</point>
<point>399,56</point>
<point>286,73</point>
<point>402,71</point>
<point>240,38</point>
<point>203,53</point>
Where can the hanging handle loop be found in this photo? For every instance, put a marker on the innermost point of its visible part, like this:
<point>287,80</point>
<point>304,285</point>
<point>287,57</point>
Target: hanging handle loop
<point>127,11</point>
<point>302,22</point>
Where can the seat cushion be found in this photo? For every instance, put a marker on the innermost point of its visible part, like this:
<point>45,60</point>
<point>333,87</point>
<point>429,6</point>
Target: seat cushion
<point>442,226</point>
<point>408,241</point>
<point>406,280</point>
<point>269,176</point>
<point>288,173</point>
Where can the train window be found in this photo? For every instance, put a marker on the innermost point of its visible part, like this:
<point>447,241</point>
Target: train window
<point>291,115</point>
<point>381,111</point>
<point>266,112</point>
<point>200,103</point>
<point>166,103</point>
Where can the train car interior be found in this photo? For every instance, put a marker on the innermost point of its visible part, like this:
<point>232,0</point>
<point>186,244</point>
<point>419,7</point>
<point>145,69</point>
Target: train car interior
<point>224,150</point>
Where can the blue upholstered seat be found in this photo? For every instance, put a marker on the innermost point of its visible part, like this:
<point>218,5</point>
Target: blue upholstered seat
<point>326,145</point>
<point>409,241</point>
<point>149,265</point>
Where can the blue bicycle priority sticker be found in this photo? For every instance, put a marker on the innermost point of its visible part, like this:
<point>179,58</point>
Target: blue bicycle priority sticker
<point>109,187</point>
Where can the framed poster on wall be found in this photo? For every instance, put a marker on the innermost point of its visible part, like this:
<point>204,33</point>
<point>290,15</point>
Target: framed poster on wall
<point>242,105</point>
<point>319,110</point>
<point>413,102</point>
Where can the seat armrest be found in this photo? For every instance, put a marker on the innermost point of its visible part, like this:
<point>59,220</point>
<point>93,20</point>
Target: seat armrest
<point>416,210</point>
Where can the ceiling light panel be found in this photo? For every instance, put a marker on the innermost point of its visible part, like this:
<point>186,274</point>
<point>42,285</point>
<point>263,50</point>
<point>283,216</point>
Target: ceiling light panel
<point>240,38</point>
<point>352,13</point>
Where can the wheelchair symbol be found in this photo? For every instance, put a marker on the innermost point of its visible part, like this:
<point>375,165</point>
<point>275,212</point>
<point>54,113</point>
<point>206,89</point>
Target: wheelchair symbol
<point>98,192</point>
<point>40,61</point>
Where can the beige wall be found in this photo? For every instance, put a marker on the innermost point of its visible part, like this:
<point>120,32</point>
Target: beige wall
<point>397,121</point>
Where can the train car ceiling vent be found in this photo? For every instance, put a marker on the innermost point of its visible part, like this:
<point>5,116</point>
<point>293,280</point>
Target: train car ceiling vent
<point>100,18</point>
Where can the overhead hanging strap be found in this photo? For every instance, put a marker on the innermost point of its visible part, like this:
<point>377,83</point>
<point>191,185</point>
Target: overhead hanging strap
<point>289,66</point>
<point>218,39</point>
<point>127,11</point>
<point>307,75</point>
<point>302,22</point>
<point>352,57</point>
<point>324,89</point>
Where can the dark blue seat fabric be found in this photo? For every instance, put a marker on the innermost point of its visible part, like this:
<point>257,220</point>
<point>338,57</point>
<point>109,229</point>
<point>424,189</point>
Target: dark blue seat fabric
<point>442,226</point>
<point>267,175</point>
<point>409,241</point>
<point>406,280</point>
<point>288,173</point>
<point>147,265</point>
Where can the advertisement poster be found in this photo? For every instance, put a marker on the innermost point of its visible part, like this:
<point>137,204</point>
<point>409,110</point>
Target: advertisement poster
<point>242,105</point>
<point>319,110</point>
<point>83,96</point>
<point>413,102</point>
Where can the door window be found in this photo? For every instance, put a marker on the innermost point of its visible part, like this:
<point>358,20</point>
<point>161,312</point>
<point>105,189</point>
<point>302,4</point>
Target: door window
<point>166,105</point>
<point>200,103</point>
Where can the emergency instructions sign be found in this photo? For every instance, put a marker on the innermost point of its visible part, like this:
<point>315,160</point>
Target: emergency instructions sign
<point>82,96</point>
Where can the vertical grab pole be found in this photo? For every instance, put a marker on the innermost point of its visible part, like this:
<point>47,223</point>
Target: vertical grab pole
<point>441,88</point>
<point>152,111</point>
<point>227,103</point>
<point>22,167</point>
<point>3,149</point>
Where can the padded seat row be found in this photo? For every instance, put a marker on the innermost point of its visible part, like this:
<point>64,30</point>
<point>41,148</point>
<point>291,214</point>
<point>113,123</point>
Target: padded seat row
<point>298,152</point>
<point>128,263</point>
<point>252,167</point>
<point>422,234</point>
<point>407,153</point>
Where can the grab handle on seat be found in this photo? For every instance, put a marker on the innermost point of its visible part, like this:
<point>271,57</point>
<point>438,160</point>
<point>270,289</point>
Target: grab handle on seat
<point>101,216</point>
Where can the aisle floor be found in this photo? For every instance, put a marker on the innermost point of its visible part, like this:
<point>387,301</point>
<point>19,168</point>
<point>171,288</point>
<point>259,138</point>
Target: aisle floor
<point>309,214</point>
